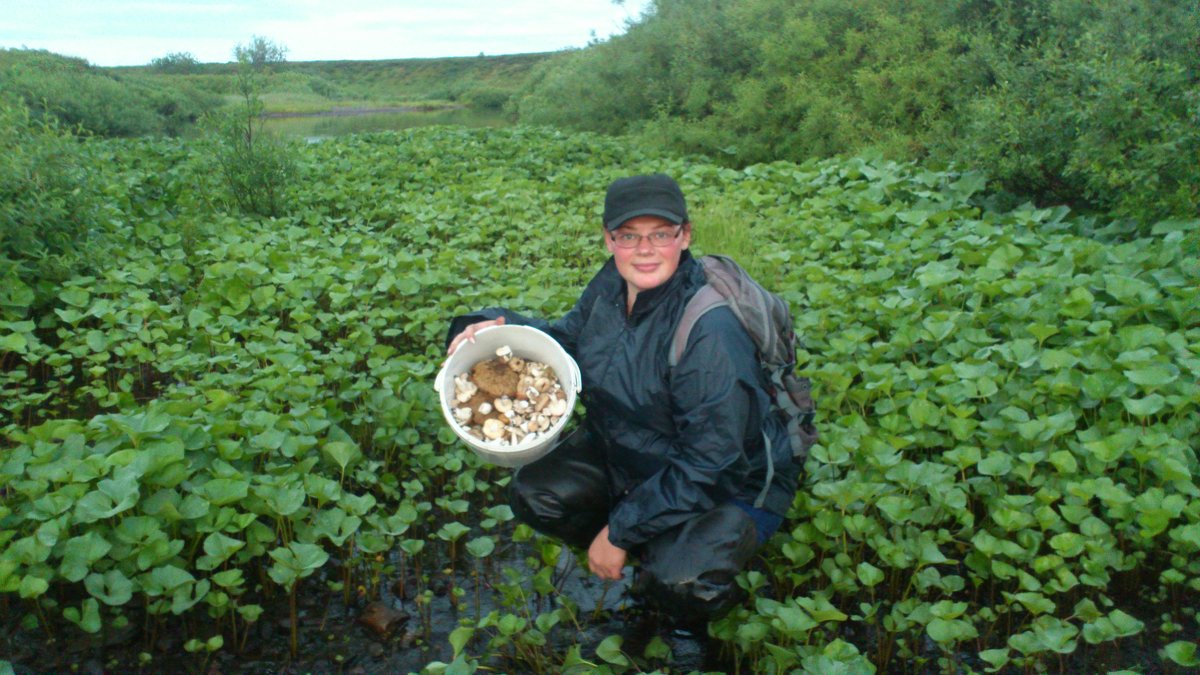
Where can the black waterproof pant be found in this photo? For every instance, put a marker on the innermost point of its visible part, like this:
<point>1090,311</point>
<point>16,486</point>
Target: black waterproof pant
<point>687,571</point>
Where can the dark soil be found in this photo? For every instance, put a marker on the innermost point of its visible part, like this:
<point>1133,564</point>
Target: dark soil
<point>388,634</point>
<point>336,637</point>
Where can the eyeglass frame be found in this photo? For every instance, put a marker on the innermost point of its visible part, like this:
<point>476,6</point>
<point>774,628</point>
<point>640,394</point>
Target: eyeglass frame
<point>638,242</point>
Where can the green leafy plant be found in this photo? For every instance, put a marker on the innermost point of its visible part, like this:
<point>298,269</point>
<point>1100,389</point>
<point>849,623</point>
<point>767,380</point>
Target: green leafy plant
<point>257,166</point>
<point>216,414</point>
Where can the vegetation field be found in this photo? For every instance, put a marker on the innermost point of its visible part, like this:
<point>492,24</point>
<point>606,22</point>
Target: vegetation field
<point>305,86</point>
<point>173,96</point>
<point>222,428</point>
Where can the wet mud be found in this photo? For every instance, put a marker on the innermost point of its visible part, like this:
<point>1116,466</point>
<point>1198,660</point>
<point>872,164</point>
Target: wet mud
<point>393,633</point>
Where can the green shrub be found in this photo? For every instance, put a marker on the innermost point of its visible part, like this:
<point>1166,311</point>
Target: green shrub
<point>1094,105</point>
<point>486,98</point>
<point>323,87</point>
<point>176,62</point>
<point>256,166</point>
<point>1100,112</point>
<point>47,209</point>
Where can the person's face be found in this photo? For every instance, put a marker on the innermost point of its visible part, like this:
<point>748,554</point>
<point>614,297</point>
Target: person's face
<point>645,265</point>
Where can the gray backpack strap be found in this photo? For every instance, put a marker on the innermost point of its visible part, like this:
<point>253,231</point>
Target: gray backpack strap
<point>705,299</point>
<point>762,496</point>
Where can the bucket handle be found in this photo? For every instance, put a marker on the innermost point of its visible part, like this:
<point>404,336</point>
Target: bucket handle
<point>437,381</point>
<point>576,376</point>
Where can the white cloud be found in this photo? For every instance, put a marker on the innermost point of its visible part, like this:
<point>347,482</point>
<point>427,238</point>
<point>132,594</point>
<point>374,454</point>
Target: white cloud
<point>121,32</point>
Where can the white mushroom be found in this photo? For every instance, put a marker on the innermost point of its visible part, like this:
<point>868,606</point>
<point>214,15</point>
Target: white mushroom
<point>464,388</point>
<point>523,386</point>
<point>493,429</point>
<point>539,402</point>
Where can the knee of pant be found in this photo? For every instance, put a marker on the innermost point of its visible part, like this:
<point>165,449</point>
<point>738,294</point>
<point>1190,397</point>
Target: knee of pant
<point>708,595</point>
<point>545,511</point>
<point>539,506</point>
<point>531,505</point>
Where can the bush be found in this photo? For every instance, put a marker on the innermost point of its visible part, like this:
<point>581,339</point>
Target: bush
<point>486,98</point>
<point>47,209</point>
<point>176,62</point>
<point>79,95</point>
<point>256,166</point>
<point>324,88</point>
<point>1101,112</point>
<point>1094,105</point>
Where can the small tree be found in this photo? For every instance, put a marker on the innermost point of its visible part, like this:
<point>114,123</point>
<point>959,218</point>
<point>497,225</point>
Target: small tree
<point>256,166</point>
<point>261,53</point>
<point>175,62</point>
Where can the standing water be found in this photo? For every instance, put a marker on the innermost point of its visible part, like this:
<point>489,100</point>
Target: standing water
<point>315,126</point>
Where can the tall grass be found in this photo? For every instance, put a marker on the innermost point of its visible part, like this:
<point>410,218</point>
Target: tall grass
<point>724,229</point>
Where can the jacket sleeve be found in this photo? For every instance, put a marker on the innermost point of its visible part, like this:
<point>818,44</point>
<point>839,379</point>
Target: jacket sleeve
<point>718,409</point>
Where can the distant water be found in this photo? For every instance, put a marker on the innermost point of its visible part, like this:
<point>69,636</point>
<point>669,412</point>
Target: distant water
<point>316,127</point>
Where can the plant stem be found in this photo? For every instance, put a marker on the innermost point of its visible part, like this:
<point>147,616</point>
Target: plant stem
<point>478,583</point>
<point>292,607</point>
<point>600,601</point>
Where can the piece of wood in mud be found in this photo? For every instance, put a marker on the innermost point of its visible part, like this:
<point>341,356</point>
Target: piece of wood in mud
<point>381,618</point>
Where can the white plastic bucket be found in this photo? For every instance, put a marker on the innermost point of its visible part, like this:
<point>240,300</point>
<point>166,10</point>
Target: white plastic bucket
<point>527,343</point>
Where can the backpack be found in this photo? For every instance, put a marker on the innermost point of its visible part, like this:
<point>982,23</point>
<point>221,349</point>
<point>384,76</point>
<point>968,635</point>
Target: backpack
<point>768,320</point>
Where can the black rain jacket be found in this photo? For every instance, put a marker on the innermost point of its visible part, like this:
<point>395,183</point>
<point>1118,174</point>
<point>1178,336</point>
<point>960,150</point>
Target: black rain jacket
<point>678,443</point>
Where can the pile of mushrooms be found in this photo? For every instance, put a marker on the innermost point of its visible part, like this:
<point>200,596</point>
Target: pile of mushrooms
<point>505,400</point>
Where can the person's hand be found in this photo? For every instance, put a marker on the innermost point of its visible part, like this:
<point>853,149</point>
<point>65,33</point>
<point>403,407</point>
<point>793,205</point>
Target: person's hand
<point>605,560</point>
<point>468,333</point>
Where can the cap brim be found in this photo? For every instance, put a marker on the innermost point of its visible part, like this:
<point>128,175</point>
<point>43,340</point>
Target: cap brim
<point>662,213</point>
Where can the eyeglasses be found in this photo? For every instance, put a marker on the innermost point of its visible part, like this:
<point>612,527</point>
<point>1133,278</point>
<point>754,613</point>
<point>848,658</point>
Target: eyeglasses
<point>658,238</point>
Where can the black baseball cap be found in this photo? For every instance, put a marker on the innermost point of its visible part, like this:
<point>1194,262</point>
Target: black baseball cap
<point>654,195</point>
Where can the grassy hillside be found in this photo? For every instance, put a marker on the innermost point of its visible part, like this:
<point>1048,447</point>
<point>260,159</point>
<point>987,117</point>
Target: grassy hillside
<point>145,100</point>
<point>479,81</point>
<point>99,100</point>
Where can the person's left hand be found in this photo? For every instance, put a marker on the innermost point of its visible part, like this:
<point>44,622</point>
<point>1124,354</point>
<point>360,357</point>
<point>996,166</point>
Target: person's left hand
<point>605,560</point>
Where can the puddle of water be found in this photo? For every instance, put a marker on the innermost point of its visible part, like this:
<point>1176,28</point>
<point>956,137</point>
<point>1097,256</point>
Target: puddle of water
<point>315,127</point>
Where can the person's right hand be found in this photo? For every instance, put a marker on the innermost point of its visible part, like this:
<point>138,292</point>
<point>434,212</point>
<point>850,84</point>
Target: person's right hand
<point>468,333</point>
<point>605,559</point>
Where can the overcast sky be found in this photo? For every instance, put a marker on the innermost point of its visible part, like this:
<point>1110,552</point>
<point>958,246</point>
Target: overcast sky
<point>132,32</point>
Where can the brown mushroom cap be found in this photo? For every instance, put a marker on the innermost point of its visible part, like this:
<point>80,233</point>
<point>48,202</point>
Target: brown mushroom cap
<point>495,377</point>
